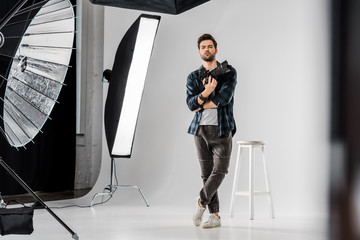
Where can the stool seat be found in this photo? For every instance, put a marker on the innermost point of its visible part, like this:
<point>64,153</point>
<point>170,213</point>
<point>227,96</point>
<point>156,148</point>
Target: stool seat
<point>251,142</point>
<point>251,145</point>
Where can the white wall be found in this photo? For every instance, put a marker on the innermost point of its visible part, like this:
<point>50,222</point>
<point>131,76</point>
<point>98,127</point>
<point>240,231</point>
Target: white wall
<point>280,50</point>
<point>90,44</point>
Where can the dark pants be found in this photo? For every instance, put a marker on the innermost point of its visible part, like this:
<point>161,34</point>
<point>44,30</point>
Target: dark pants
<point>214,156</point>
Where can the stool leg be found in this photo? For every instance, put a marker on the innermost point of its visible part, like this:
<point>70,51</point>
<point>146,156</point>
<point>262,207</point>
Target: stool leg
<point>268,183</point>
<point>251,182</point>
<point>236,179</point>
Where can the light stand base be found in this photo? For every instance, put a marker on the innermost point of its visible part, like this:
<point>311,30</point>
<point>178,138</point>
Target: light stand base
<point>112,187</point>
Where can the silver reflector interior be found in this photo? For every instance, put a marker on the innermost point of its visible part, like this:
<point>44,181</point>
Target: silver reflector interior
<point>128,77</point>
<point>38,71</point>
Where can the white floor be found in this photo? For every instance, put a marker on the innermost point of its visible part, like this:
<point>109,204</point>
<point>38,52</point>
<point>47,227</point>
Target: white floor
<point>130,221</point>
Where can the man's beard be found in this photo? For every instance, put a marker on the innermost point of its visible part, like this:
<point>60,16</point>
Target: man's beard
<point>210,58</point>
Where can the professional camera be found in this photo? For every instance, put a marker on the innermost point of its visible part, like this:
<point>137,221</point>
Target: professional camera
<point>218,71</point>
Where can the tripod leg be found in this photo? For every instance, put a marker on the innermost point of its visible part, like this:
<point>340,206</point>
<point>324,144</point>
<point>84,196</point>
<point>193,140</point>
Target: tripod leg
<point>146,202</point>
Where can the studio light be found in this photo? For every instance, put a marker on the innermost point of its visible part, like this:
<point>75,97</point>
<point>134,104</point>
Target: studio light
<point>36,42</point>
<point>127,81</point>
<point>126,86</point>
<point>162,6</point>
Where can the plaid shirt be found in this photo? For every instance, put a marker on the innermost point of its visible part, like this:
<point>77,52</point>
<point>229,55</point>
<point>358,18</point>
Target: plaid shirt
<point>223,99</point>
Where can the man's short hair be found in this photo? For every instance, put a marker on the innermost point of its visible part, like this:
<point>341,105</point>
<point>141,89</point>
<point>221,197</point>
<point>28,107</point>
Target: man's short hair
<point>204,37</point>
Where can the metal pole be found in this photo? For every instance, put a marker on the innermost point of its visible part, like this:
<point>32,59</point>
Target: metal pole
<point>33,194</point>
<point>111,174</point>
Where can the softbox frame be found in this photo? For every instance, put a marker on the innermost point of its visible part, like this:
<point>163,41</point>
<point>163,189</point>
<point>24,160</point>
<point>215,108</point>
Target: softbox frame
<point>162,6</point>
<point>118,84</point>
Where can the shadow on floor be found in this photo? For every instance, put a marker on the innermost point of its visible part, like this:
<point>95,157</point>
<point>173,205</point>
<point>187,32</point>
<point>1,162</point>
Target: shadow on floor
<point>47,196</point>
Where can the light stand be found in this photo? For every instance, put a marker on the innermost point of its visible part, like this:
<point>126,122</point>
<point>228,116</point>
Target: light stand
<point>112,187</point>
<point>36,197</point>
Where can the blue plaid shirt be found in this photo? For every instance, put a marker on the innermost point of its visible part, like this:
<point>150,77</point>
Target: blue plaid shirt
<point>223,99</point>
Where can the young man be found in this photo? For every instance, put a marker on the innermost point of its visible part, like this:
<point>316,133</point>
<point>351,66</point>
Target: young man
<point>212,126</point>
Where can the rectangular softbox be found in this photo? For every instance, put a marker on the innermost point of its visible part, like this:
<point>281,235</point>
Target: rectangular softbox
<point>162,6</point>
<point>126,84</point>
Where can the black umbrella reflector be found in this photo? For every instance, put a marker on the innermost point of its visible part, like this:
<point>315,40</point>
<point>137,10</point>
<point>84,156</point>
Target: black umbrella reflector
<point>43,34</point>
<point>162,6</point>
<point>126,86</point>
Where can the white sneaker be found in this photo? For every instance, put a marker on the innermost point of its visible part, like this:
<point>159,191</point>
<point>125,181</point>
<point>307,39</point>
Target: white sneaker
<point>212,222</point>
<point>199,212</point>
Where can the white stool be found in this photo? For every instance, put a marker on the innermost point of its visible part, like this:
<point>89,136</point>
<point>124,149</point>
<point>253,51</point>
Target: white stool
<point>251,145</point>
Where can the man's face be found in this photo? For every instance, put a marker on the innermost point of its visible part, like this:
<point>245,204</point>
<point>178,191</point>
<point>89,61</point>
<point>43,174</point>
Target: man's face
<point>207,50</point>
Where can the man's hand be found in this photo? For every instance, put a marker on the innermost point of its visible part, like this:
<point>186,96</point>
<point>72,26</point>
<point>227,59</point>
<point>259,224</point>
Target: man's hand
<point>210,86</point>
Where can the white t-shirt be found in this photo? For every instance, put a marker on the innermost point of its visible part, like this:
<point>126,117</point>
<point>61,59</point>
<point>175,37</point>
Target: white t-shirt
<point>209,117</point>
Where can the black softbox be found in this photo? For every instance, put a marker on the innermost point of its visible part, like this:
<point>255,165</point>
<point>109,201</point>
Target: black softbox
<point>162,6</point>
<point>125,87</point>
